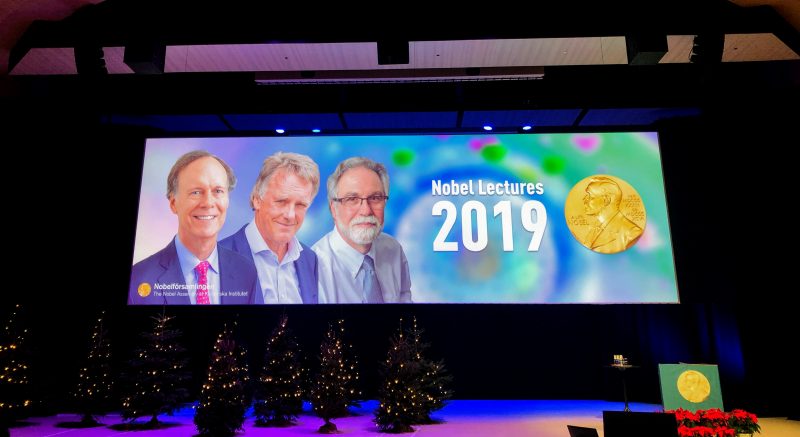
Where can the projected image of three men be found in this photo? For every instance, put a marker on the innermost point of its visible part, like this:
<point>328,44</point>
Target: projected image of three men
<point>535,218</point>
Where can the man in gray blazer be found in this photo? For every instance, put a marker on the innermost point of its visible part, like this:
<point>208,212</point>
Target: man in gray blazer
<point>282,194</point>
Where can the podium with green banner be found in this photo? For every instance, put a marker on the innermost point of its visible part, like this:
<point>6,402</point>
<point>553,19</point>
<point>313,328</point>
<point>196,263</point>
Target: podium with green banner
<point>690,386</point>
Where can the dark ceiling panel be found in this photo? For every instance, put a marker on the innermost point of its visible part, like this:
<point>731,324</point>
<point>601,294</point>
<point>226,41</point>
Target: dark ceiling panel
<point>517,118</point>
<point>634,116</point>
<point>174,123</point>
<point>255,122</point>
<point>401,120</point>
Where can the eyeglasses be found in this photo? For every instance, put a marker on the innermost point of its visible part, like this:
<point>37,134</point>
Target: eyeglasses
<point>375,201</point>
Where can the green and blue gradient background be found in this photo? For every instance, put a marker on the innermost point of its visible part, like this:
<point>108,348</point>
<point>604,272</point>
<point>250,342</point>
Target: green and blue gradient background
<point>562,271</point>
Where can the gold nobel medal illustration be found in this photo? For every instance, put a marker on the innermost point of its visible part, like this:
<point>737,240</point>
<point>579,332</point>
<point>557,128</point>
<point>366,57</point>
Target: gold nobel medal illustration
<point>605,214</point>
<point>693,386</point>
<point>144,289</point>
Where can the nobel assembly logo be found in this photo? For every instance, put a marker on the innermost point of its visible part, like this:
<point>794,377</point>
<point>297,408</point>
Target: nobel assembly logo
<point>145,288</point>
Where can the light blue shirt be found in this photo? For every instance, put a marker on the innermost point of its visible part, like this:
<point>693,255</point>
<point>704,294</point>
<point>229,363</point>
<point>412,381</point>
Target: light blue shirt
<point>341,276</point>
<point>189,262</point>
<point>278,280</point>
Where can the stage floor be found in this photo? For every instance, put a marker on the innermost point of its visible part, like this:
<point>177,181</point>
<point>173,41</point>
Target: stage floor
<point>540,418</point>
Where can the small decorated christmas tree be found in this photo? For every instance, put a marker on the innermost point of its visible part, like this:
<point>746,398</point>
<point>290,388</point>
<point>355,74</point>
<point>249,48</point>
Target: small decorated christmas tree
<point>351,379</point>
<point>14,398</point>
<point>279,389</point>
<point>223,400</point>
<point>434,380</point>
<point>157,373</point>
<point>95,382</point>
<point>335,387</point>
<point>399,394</point>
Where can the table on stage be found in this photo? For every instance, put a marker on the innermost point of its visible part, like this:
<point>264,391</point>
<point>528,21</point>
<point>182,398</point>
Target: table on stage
<point>623,368</point>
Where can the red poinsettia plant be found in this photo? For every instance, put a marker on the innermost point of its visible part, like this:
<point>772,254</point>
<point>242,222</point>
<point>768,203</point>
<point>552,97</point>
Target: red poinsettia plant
<point>743,422</point>
<point>715,423</point>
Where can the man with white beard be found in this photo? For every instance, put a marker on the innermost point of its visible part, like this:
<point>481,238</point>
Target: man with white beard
<point>357,262</point>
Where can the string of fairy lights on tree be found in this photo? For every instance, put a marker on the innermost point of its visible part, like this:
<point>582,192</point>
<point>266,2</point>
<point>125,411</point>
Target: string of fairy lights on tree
<point>95,387</point>
<point>14,397</point>
<point>413,386</point>
<point>279,393</point>
<point>335,387</point>
<point>223,400</point>
<point>399,396</point>
<point>434,380</point>
<point>14,385</point>
<point>157,375</point>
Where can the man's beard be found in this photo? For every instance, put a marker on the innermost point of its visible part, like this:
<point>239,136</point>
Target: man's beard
<point>362,235</point>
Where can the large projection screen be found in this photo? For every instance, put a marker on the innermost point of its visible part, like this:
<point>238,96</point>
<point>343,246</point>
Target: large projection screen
<point>507,218</point>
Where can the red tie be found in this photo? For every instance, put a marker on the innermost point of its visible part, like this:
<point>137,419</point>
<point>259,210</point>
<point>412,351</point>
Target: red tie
<point>202,283</point>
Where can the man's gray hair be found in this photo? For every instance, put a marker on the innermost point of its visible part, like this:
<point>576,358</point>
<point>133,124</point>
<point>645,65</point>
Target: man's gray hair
<point>188,158</point>
<point>295,163</point>
<point>347,164</point>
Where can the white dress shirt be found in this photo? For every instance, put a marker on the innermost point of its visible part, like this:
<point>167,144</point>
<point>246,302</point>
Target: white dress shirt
<point>278,279</point>
<point>188,263</point>
<point>341,274</point>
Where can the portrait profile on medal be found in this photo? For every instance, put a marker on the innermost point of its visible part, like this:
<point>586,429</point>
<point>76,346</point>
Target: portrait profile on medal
<point>605,214</point>
<point>693,386</point>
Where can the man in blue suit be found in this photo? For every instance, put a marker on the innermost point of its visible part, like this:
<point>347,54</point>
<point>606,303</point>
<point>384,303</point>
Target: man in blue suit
<point>192,269</point>
<point>286,268</point>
